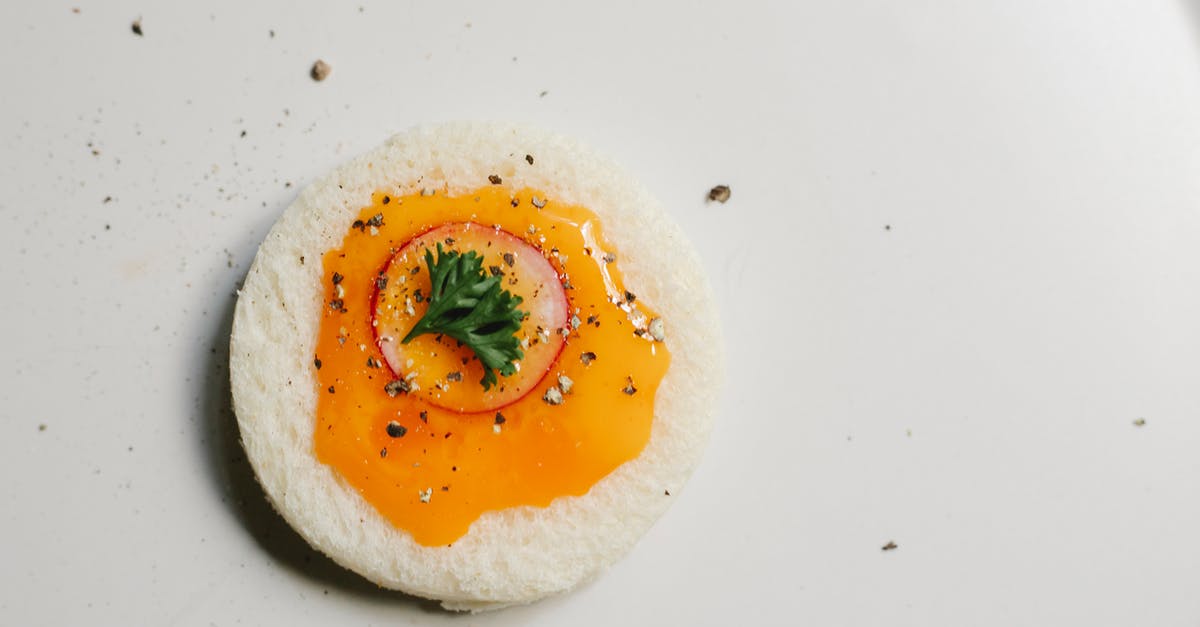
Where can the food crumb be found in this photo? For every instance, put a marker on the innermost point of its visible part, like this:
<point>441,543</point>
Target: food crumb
<point>1140,422</point>
<point>494,179</point>
<point>587,357</point>
<point>320,70</point>
<point>425,494</point>
<point>720,193</point>
<point>890,546</point>
<point>137,27</point>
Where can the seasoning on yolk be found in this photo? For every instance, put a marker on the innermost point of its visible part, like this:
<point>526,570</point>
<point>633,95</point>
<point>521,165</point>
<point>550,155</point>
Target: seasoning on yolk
<point>451,466</point>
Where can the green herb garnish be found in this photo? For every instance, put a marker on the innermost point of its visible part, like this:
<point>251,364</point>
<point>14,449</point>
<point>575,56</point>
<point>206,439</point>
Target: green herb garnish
<point>469,306</point>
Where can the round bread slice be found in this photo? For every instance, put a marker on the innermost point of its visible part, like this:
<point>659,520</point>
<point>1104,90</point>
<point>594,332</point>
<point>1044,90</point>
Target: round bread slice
<point>511,556</point>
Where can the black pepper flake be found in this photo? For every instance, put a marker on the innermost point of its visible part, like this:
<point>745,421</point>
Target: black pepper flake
<point>317,363</point>
<point>666,493</point>
<point>383,452</point>
<point>516,202</point>
<point>381,283</point>
<point>338,304</point>
<point>136,27</point>
<point>359,224</point>
<point>509,259</point>
<point>376,220</point>
<point>447,436</point>
<point>396,388</point>
<point>418,296</point>
<point>372,362</point>
<point>495,270</point>
<point>609,257</point>
<point>454,377</point>
<point>629,296</point>
<point>890,546</point>
<point>396,430</point>
<point>629,387</point>
<point>499,418</point>
<point>529,159</point>
<point>719,193</point>
<point>587,357</point>
<point>337,278</point>
<point>331,391</point>
<point>416,270</point>
<point>445,488</point>
<point>424,416</point>
<point>494,180</point>
<point>449,241</point>
<point>387,199</point>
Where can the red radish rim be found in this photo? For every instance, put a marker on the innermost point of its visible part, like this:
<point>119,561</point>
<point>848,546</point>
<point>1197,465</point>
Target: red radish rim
<point>375,301</point>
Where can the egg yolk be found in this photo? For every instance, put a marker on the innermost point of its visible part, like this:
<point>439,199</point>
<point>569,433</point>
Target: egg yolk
<point>435,452</point>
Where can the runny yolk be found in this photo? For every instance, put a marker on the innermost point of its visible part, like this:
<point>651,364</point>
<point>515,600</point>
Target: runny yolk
<point>448,468</point>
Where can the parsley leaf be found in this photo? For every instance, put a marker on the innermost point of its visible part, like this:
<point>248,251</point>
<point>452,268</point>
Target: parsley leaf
<point>469,306</point>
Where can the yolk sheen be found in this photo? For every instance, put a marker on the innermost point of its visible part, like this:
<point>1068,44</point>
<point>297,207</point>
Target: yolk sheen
<point>449,467</point>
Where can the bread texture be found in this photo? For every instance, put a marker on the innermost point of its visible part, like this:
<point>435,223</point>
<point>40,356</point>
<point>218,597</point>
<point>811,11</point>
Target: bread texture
<point>516,555</point>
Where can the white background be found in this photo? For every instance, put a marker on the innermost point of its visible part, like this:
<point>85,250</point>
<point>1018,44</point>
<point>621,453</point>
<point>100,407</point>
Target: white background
<point>961,258</point>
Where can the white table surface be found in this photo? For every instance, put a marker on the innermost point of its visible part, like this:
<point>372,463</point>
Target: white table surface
<point>961,259</point>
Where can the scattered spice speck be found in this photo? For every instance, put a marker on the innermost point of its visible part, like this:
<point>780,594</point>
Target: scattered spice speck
<point>136,27</point>
<point>629,388</point>
<point>658,330</point>
<point>494,179</point>
<point>396,388</point>
<point>396,430</point>
<point>320,71</point>
<point>720,193</point>
<point>553,396</point>
<point>890,546</point>
<point>42,427</point>
<point>587,357</point>
<point>499,418</point>
<point>529,159</point>
<point>1140,422</point>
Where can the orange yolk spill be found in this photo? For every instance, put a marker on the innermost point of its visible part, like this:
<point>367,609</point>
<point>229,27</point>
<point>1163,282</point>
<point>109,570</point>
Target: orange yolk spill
<point>449,467</point>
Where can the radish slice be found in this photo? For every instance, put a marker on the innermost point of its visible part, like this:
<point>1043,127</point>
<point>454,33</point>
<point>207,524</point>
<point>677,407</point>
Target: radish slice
<point>437,367</point>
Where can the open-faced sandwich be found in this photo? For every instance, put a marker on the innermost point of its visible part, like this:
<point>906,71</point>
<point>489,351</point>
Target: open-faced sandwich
<point>475,364</point>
